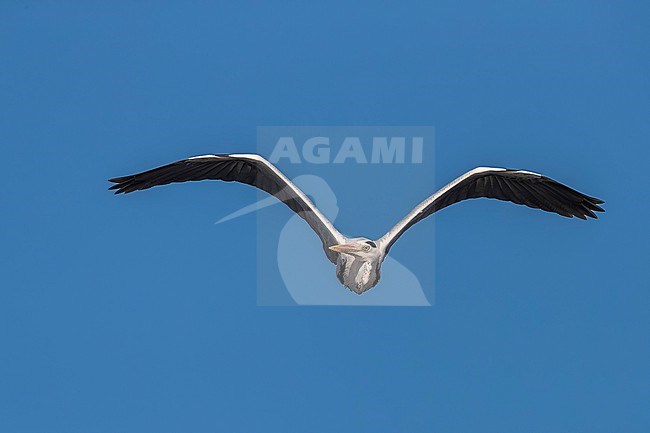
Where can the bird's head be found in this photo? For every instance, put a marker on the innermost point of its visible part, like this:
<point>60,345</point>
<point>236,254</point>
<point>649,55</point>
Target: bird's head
<point>363,248</point>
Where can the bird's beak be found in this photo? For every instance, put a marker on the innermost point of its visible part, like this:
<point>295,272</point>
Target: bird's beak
<point>345,248</point>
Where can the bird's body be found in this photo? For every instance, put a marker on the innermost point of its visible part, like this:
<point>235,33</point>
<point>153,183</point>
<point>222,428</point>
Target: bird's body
<point>358,260</point>
<point>361,271</point>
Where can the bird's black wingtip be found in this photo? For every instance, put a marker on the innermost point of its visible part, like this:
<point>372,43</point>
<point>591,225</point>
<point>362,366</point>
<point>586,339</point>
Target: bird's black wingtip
<point>591,206</point>
<point>119,185</point>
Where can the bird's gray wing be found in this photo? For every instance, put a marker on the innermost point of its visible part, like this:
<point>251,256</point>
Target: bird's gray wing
<point>517,186</point>
<point>250,169</point>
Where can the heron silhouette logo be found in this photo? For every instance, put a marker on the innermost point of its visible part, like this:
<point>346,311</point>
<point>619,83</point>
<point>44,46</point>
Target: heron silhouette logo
<point>305,271</point>
<point>338,162</point>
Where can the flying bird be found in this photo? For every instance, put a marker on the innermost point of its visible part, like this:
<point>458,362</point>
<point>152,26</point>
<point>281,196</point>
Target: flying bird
<point>358,260</point>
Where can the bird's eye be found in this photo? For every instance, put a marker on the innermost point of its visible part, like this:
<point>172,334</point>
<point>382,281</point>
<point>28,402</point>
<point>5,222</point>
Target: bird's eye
<point>366,247</point>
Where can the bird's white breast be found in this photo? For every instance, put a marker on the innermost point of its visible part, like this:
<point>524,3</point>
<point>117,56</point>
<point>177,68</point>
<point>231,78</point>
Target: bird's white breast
<point>364,274</point>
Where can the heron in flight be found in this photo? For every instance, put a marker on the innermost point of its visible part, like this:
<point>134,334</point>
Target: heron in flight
<point>358,260</point>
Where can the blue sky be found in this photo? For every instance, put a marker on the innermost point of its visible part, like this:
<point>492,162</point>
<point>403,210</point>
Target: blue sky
<point>139,314</point>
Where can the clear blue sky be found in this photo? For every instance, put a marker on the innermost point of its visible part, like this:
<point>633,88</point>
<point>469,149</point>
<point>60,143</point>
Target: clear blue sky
<point>137,314</point>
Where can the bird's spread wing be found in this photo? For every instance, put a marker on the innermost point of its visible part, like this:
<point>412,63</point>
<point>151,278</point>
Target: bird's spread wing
<point>517,186</point>
<point>250,169</point>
